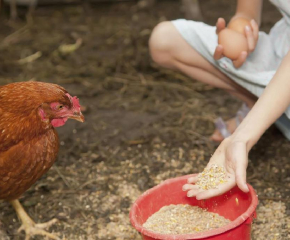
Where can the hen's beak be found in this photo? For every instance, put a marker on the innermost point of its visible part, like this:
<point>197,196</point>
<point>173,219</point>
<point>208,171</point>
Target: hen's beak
<point>78,116</point>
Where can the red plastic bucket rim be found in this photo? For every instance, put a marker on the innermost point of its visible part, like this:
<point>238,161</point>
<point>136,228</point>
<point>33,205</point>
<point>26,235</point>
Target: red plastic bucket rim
<point>238,221</point>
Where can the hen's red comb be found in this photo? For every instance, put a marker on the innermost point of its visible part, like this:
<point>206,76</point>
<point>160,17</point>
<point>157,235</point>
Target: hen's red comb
<point>75,102</point>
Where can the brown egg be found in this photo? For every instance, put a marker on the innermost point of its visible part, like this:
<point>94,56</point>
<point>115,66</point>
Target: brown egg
<point>239,24</point>
<point>233,42</point>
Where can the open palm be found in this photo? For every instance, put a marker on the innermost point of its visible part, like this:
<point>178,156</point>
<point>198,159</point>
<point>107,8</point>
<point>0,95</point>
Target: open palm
<point>233,156</point>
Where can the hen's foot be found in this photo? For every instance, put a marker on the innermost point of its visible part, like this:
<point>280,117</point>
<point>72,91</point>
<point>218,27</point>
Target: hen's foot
<point>29,226</point>
<point>31,229</point>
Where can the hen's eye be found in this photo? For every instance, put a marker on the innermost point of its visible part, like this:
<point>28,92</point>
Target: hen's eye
<point>59,107</point>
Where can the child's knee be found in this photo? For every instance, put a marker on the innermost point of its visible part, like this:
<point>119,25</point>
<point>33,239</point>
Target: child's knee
<point>160,42</point>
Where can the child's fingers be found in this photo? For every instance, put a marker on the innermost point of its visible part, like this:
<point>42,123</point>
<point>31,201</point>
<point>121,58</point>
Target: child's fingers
<point>220,25</point>
<point>218,54</point>
<point>192,179</point>
<point>194,192</point>
<point>255,28</point>
<point>187,187</point>
<point>250,39</point>
<point>242,58</point>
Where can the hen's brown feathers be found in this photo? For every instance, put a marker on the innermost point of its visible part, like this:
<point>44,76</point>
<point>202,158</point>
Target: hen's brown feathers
<point>28,145</point>
<point>24,163</point>
<point>23,97</point>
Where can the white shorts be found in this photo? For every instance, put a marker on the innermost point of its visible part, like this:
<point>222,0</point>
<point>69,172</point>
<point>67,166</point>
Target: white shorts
<point>256,72</point>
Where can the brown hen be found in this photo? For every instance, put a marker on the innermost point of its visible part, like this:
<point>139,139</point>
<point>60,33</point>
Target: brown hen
<point>29,112</point>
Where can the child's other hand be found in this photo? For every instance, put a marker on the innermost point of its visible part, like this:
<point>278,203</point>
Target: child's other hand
<point>233,156</point>
<point>252,35</point>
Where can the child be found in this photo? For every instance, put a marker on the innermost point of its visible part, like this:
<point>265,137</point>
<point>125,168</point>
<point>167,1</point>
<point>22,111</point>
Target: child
<point>263,71</point>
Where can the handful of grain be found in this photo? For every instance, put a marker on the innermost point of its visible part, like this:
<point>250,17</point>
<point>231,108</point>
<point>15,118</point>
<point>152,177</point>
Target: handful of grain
<point>184,219</point>
<point>211,177</point>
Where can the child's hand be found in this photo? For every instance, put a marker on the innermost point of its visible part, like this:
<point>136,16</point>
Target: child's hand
<point>233,156</point>
<point>252,35</point>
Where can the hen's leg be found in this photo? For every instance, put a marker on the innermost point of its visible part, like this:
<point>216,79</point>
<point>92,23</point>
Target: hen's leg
<point>29,226</point>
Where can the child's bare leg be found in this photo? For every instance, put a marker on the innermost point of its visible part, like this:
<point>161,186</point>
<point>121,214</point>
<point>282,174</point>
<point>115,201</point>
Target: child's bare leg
<point>170,50</point>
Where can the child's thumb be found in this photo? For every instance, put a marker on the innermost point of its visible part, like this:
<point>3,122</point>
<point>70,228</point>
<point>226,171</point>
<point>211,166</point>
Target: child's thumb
<point>240,158</point>
<point>241,175</point>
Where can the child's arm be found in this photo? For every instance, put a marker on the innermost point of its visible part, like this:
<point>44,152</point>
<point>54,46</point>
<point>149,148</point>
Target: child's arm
<point>250,9</point>
<point>233,151</point>
<point>270,106</point>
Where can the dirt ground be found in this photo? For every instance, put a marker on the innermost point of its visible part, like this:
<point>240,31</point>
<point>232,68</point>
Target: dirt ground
<point>144,124</point>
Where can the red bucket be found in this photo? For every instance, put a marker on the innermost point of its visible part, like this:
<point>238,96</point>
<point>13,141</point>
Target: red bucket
<point>235,205</point>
